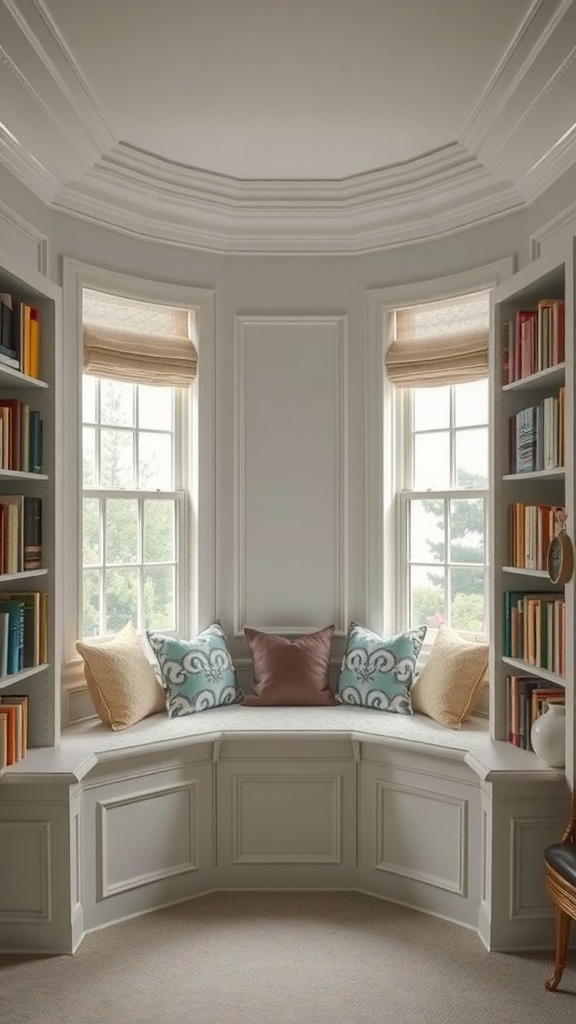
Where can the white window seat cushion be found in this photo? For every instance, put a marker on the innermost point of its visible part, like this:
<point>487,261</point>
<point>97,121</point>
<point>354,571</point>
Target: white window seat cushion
<point>85,743</point>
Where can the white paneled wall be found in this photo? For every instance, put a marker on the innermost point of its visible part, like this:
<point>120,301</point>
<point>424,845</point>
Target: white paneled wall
<point>290,473</point>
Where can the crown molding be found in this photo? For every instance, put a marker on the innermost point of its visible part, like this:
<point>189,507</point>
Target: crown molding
<point>45,60</point>
<point>68,156</point>
<point>540,22</point>
<point>436,194</point>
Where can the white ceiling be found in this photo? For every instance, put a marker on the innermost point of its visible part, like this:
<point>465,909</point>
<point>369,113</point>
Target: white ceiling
<point>261,125</point>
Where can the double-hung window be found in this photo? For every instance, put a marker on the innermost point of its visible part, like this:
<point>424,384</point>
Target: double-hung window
<point>437,360</point>
<point>139,367</point>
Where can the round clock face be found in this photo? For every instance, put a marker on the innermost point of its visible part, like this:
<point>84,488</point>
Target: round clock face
<point>560,561</point>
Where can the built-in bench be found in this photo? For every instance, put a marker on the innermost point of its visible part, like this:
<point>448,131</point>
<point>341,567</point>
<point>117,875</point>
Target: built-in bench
<point>112,824</point>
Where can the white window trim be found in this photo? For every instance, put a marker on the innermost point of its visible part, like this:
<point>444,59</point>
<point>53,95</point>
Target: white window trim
<point>202,609</point>
<point>383,443</point>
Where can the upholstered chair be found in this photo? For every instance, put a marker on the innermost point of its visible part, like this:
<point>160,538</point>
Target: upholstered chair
<point>561,885</point>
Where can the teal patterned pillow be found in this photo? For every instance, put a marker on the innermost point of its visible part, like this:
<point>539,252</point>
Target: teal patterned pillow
<point>377,672</point>
<point>196,674</point>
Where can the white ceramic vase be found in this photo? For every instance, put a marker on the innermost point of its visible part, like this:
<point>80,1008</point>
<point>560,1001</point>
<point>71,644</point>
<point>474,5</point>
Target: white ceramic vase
<point>548,736</point>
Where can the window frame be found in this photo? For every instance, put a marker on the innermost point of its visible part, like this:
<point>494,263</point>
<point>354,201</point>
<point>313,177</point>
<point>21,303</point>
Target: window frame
<point>73,698</point>
<point>384,444</point>
<point>180,494</point>
<point>403,402</point>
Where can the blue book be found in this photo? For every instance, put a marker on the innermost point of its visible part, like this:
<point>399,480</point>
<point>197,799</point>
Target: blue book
<point>15,658</point>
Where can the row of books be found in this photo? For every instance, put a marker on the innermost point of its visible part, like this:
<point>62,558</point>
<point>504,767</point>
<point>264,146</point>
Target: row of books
<point>536,435</point>
<point>13,728</point>
<point>20,533</point>
<point>21,436</point>
<point>530,530</point>
<point>534,340</point>
<point>535,629</point>
<point>23,626</point>
<point>19,335</point>
<point>526,699</point>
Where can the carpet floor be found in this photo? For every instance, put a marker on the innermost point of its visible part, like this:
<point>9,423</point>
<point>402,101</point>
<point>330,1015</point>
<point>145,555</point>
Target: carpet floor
<point>284,958</point>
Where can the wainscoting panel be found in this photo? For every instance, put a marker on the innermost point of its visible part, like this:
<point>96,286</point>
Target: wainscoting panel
<point>437,858</point>
<point>530,836</point>
<point>25,871</point>
<point>290,473</point>
<point>166,817</point>
<point>420,838</point>
<point>302,822</point>
<point>290,821</point>
<point>148,839</point>
<point>22,240</point>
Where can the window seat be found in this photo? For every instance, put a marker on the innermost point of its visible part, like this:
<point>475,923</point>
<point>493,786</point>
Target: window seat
<point>86,743</point>
<point>108,825</point>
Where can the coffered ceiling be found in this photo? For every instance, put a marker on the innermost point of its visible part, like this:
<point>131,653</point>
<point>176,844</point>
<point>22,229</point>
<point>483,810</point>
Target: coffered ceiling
<point>287,125</point>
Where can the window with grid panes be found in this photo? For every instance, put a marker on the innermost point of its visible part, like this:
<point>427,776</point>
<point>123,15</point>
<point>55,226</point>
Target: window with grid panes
<point>133,505</point>
<point>443,502</point>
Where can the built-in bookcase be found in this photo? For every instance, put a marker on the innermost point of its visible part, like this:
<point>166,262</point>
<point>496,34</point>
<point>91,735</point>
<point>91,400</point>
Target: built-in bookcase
<point>532,417</point>
<point>40,682</point>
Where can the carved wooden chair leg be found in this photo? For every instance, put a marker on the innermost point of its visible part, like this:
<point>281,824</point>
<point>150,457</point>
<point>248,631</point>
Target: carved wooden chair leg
<point>563,922</point>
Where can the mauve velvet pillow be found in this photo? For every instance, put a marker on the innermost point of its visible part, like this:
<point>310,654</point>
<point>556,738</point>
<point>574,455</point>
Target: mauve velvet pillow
<point>290,672</point>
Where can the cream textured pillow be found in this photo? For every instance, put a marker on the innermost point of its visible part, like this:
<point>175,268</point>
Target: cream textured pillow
<point>452,679</point>
<point>121,680</point>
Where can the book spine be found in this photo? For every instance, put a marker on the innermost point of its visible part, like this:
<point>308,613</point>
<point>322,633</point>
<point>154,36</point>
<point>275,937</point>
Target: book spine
<point>32,533</point>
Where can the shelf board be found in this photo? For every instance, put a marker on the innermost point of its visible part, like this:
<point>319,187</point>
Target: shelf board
<point>7,577</point>
<point>538,474</point>
<point>10,377</point>
<point>20,474</point>
<point>16,677</point>
<point>553,375</point>
<point>540,574</point>
<point>532,670</point>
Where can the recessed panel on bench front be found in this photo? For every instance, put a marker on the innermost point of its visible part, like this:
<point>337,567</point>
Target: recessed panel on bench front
<point>146,837</point>
<point>286,822</point>
<point>283,820</point>
<point>422,835</point>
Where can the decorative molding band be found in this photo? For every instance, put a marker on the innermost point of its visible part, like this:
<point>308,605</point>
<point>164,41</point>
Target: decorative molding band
<point>241,325</point>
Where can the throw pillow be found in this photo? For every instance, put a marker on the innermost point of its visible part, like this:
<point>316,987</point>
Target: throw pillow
<point>290,672</point>
<point>378,672</point>
<point>452,679</point>
<point>196,674</point>
<point>121,681</point>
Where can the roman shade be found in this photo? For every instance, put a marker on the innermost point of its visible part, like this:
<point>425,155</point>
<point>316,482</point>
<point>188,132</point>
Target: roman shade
<point>137,342</point>
<point>440,343</point>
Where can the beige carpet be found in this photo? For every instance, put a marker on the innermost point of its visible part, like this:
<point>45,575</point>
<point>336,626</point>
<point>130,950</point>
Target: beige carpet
<point>284,958</point>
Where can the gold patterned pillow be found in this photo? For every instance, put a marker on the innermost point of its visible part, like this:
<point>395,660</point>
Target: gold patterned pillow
<point>452,679</point>
<point>121,680</point>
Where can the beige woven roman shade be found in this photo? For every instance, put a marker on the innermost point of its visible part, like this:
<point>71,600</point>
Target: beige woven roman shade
<point>440,343</point>
<point>138,342</point>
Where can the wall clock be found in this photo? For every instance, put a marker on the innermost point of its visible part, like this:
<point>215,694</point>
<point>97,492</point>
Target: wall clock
<point>560,559</point>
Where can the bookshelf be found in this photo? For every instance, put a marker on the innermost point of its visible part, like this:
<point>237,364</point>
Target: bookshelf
<point>532,489</point>
<point>32,580</point>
